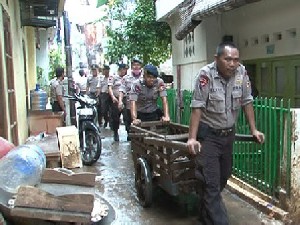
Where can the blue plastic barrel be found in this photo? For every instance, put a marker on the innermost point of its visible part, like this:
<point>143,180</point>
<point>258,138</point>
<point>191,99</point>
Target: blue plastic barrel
<point>38,99</point>
<point>23,165</point>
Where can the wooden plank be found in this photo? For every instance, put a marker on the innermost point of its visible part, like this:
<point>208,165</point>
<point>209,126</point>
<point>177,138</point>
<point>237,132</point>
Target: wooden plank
<point>184,175</point>
<point>177,136</point>
<point>136,129</point>
<point>61,177</point>
<point>33,197</point>
<point>151,123</point>
<point>168,143</point>
<point>182,165</point>
<point>51,215</point>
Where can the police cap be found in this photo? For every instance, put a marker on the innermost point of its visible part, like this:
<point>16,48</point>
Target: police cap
<point>122,66</point>
<point>106,67</point>
<point>150,69</point>
<point>94,67</point>
<point>136,60</point>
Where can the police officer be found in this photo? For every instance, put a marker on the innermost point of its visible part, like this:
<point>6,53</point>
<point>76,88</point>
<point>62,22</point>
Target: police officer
<point>143,97</point>
<point>81,82</point>
<point>57,91</point>
<point>125,88</point>
<point>220,90</point>
<point>91,89</point>
<point>102,92</point>
<point>114,83</point>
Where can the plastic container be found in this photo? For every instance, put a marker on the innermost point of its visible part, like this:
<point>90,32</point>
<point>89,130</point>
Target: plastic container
<point>23,165</point>
<point>5,147</point>
<point>38,99</point>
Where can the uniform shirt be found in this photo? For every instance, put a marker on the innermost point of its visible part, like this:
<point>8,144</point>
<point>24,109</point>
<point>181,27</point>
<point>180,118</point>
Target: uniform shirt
<point>125,87</point>
<point>115,82</point>
<point>146,97</point>
<point>81,83</point>
<point>92,83</point>
<point>57,89</point>
<point>220,99</point>
<point>103,84</point>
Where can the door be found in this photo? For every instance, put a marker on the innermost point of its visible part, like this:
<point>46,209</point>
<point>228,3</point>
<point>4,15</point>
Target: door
<point>294,86</point>
<point>12,121</point>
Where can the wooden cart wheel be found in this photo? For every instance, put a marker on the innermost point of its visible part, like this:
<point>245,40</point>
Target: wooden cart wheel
<point>143,182</point>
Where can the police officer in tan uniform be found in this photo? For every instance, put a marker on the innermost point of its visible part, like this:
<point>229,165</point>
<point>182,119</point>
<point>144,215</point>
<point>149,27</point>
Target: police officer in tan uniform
<point>114,83</point>
<point>102,92</point>
<point>125,88</point>
<point>91,89</point>
<point>57,91</point>
<point>221,89</point>
<point>143,97</point>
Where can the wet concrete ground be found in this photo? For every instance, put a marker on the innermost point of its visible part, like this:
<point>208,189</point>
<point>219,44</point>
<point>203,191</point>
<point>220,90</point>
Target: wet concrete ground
<point>115,184</point>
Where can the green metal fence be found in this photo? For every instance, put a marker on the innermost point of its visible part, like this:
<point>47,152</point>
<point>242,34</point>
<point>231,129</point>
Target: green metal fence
<point>266,167</point>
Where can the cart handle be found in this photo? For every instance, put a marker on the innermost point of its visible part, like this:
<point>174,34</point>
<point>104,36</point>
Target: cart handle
<point>245,137</point>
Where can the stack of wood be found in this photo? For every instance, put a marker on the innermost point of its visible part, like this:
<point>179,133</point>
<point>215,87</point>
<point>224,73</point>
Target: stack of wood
<point>62,196</point>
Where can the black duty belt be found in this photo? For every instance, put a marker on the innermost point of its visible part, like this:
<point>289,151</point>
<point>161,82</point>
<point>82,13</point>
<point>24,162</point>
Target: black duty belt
<point>222,132</point>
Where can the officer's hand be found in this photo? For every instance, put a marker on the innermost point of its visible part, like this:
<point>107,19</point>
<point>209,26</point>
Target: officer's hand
<point>120,106</point>
<point>165,119</point>
<point>260,137</point>
<point>115,100</point>
<point>136,121</point>
<point>194,146</point>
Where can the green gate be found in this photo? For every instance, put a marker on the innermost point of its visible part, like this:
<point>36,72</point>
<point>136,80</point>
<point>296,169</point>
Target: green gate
<point>266,167</point>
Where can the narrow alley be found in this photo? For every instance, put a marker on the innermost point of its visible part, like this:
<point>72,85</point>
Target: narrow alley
<point>115,184</point>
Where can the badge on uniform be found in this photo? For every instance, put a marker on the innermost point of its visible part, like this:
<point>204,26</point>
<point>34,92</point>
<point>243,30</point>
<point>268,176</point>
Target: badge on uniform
<point>137,89</point>
<point>203,80</point>
<point>162,87</point>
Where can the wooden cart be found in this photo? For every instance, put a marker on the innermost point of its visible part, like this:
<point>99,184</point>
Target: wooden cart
<point>161,157</point>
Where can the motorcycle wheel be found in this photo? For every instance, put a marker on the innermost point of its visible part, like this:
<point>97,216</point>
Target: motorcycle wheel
<point>91,153</point>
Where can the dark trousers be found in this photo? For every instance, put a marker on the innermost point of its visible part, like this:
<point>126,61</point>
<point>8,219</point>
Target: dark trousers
<point>213,169</point>
<point>153,116</point>
<point>105,106</point>
<point>93,96</point>
<point>56,107</point>
<point>115,116</point>
<point>127,120</point>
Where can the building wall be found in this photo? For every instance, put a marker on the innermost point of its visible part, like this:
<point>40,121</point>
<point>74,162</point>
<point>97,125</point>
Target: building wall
<point>251,26</point>
<point>42,59</point>
<point>189,63</point>
<point>17,36</point>
<point>268,19</point>
<point>30,56</point>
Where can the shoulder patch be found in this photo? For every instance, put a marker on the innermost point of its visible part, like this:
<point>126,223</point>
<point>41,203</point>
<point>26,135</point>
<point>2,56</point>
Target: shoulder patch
<point>162,86</point>
<point>203,79</point>
<point>137,89</point>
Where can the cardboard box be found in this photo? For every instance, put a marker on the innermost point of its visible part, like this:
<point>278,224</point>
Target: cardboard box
<point>45,121</point>
<point>69,147</point>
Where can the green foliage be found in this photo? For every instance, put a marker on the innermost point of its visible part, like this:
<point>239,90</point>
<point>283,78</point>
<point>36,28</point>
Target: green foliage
<point>55,60</point>
<point>141,35</point>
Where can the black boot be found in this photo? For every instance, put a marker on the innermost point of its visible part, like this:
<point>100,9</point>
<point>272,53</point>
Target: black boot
<point>116,135</point>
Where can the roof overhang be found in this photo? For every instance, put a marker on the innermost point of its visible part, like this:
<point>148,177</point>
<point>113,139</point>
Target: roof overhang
<point>166,8</point>
<point>40,13</point>
<point>207,8</point>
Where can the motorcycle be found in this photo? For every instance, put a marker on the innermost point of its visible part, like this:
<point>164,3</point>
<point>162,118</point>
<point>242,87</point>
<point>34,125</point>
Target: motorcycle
<point>89,133</point>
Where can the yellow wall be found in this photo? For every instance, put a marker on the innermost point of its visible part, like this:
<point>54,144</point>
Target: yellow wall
<point>18,34</point>
<point>31,57</point>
